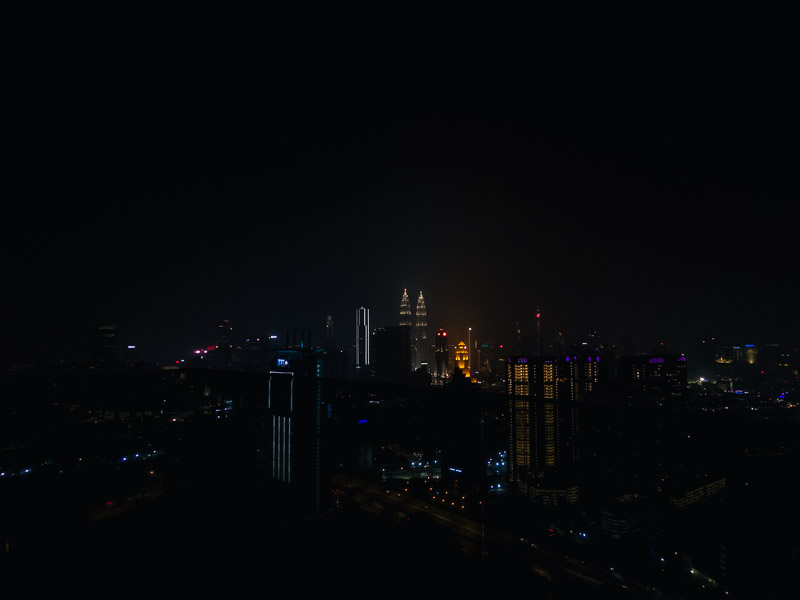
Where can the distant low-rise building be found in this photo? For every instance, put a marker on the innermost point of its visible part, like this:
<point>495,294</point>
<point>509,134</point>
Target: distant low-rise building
<point>656,377</point>
<point>682,492</point>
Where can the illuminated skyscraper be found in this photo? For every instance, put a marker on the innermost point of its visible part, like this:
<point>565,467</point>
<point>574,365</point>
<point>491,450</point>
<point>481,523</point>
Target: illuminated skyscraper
<point>543,395</point>
<point>421,333</point>
<point>297,422</point>
<point>462,359</point>
<point>362,340</point>
<point>405,310</point>
<point>405,321</point>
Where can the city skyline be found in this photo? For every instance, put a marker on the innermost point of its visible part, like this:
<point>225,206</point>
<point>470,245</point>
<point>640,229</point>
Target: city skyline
<point>642,229</point>
<point>527,340</point>
<point>211,321</point>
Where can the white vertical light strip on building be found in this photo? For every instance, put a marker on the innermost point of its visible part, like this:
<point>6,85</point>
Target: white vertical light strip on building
<point>282,432</point>
<point>274,447</point>
<point>283,448</point>
<point>366,337</point>
<point>358,335</point>
<point>279,447</point>
<point>289,451</point>
<point>281,442</point>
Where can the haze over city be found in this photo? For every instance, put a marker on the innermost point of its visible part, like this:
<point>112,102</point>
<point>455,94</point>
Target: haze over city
<point>148,237</point>
<point>644,227</point>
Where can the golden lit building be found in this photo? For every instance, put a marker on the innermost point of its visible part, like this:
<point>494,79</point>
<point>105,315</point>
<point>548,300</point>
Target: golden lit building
<point>543,425</point>
<point>462,359</point>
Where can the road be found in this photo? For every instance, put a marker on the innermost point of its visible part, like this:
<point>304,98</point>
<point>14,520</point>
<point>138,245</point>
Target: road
<point>555,571</point>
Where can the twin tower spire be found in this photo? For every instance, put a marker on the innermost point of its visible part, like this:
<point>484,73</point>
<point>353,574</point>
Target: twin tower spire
<point>419,329</point>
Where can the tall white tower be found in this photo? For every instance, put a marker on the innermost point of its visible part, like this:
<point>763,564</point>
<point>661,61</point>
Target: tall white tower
<point>405,310</point>
<point>362,340</point>
<point>421,333</point>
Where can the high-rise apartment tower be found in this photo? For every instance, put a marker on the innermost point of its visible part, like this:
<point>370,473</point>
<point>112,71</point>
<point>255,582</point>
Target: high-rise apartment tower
<point>543,394</point>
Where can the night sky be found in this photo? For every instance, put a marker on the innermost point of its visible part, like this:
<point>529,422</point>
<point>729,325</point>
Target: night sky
<point>646,223</point>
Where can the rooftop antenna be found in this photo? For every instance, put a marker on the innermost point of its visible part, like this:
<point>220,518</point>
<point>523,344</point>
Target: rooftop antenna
<point>538,332</point>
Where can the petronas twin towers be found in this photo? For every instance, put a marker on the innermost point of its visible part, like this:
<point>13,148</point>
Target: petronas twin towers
<point>419,329</point>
